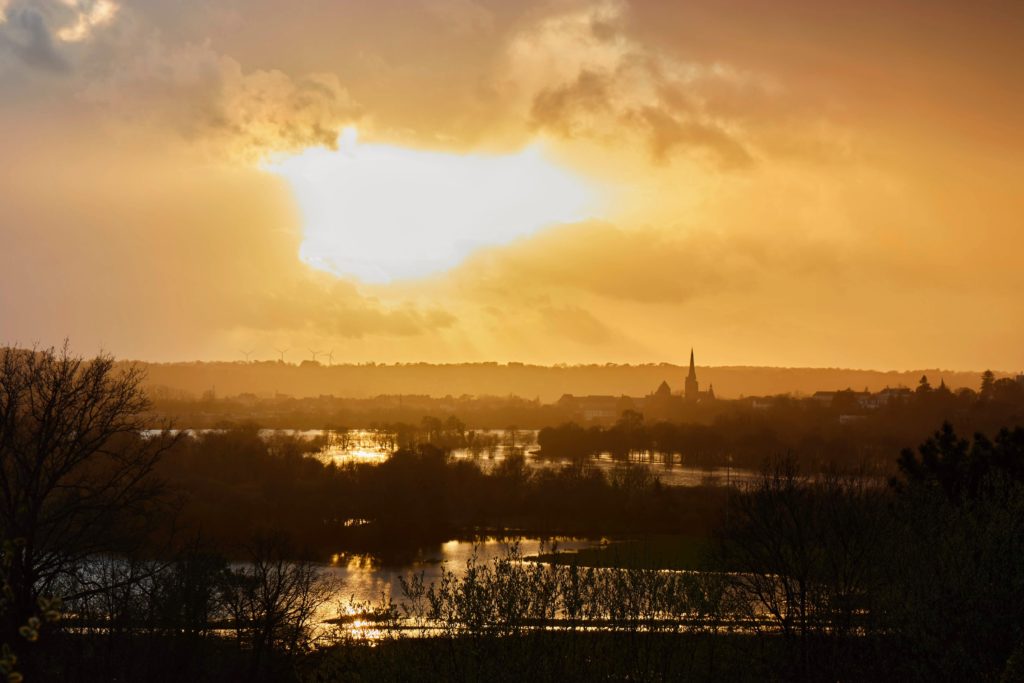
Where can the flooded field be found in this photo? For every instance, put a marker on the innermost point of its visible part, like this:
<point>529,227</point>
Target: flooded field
<point>361,581</point>
<point>490,447</point>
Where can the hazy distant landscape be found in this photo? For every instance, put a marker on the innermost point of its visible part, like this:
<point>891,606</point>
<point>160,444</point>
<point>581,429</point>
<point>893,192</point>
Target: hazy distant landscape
<point>547,383</point>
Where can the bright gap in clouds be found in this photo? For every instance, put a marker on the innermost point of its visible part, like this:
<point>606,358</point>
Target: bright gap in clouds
<point>381,213</point>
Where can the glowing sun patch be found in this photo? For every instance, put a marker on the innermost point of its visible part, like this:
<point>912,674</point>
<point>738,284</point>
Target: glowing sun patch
<point>381,213</point>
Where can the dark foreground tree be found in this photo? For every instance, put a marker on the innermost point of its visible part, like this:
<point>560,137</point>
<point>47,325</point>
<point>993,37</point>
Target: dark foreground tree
<point>272,602</point>
<point>75,467</point>
<point>957,580</point>
<point>804,554</point>
<point>921,581</point>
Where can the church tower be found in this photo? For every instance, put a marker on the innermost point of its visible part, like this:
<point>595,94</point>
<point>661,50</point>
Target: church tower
<point>691,381</point>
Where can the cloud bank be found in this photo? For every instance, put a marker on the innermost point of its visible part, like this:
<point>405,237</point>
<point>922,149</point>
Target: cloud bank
<point>785,184</point>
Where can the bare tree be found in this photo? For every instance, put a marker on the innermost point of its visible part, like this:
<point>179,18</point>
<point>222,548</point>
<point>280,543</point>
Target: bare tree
<point>804,554</point>
<point>75,464</point>
<point>272,601</point>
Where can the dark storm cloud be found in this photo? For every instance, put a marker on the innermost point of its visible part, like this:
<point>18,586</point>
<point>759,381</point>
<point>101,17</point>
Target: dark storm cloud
<point>26,34</point>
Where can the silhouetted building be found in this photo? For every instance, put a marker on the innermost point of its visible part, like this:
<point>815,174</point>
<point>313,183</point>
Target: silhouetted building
<point>887,395</point>
<point>847,398</point>
<point>692,392</point>
<point>864,400</point>
<point>661,404</point>
<point>663,390</point>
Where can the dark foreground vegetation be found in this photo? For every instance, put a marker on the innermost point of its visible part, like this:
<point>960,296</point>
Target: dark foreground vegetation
<point>134,556</point>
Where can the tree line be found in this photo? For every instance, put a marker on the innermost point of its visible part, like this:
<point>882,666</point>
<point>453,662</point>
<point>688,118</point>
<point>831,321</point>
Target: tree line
<point>839,433</point>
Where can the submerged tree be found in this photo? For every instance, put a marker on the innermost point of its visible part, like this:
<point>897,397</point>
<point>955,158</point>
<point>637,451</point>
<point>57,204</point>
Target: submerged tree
<point>75,465</point>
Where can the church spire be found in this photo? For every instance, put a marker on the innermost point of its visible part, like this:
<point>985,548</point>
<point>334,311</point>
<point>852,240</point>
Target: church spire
<point>692,390</point>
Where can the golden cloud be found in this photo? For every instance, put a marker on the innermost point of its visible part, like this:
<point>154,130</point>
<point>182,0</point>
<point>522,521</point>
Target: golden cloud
<point>586,78</point>
<point>211,100</point>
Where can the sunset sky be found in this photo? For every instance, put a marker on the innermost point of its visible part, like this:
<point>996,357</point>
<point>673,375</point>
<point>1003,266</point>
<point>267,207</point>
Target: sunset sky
<point>791,183</point>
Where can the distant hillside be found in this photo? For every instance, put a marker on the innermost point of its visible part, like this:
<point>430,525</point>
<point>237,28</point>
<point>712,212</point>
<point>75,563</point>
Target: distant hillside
<point>529,381</point>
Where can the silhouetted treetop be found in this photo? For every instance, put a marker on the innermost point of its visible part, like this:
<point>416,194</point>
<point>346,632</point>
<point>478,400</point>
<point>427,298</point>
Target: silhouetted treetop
<point>959,468</point>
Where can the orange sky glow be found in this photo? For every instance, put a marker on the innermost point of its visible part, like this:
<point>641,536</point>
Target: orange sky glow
<point>790,183</point>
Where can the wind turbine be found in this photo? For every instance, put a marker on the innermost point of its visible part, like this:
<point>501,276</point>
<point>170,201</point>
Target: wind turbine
<point>315,353</point>
<point>330,357</point>
<point>282,352</point>
<point>247,354</point>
